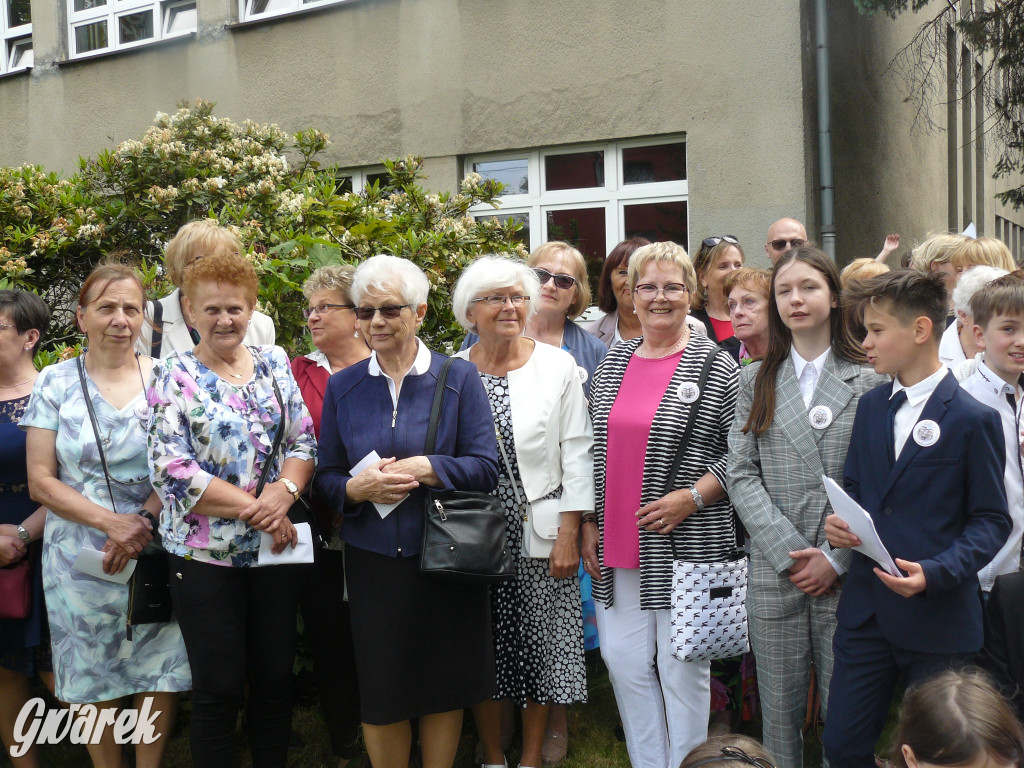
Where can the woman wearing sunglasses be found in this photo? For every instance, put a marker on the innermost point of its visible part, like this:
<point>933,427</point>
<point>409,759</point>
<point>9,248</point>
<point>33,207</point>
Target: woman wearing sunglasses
<point>331,319</point>
<point>716,258</point>
<point>423,645</point>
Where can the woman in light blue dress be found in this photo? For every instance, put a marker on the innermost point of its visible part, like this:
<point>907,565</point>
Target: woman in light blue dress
<point>96,658</point>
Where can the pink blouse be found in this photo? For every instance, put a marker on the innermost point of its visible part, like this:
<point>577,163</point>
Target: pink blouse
<point>629,426</point>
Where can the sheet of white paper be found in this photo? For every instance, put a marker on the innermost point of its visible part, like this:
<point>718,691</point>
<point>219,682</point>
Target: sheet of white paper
<point>861,525</point>
<point>303,552</point>
<point>90,561</point>
<point>382,509</point>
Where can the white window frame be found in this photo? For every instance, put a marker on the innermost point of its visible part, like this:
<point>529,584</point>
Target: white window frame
<point>614,196</point>
<point>111,11</point>
<point>359,176</point>
<point>287,8</point>
<point>10,37</point>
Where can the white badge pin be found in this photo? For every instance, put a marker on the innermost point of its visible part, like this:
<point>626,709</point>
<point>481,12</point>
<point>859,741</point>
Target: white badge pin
<point>688,392</point>
<point>820,416</point>
<point>142,412</point>
<point>926,433</point>
<point>582,374</point>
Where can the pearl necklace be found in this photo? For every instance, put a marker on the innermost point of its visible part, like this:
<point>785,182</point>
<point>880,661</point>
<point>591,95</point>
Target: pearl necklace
<point>680,342</point>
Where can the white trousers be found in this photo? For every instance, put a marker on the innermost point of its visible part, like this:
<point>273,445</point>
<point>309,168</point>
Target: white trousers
<point>664,703</point>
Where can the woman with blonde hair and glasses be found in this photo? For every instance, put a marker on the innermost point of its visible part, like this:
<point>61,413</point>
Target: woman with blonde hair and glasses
<point>715,259</point>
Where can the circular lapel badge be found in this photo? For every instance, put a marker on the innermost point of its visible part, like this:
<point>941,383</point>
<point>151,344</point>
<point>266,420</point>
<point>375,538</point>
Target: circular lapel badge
<point>688,392</point>
<point>582,374</point>
<point>820,416</point>
<point>142,412</point>
<point>926,433</point>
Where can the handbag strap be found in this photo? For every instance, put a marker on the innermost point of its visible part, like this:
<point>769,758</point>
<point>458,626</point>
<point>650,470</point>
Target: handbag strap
<point>280,432</point>
<point>508,466</point>
<point>435,406</point>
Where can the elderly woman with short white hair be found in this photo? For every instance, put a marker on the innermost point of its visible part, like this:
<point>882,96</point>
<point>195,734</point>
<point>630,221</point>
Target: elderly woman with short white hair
<point>546,445</point>
<point>957,346</point>
<point>422,645</point>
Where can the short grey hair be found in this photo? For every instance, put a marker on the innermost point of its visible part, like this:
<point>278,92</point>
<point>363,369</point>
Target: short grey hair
<point>491,273</point>
<point>333,277</point>
<point>384,273</point>
<point>971,281</point>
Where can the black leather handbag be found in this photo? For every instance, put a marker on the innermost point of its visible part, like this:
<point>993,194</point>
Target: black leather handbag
<point>464,532</point>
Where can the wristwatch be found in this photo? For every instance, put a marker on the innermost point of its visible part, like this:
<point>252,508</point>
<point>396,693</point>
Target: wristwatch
<point>697,498</point>
<point>293,489</point>
<point>24,535</point>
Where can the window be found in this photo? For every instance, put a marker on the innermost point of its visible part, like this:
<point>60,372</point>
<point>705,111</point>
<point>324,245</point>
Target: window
<point>101,26</point>
<point>16,35</point>
<point>358,179</point>
<point>253,10</point>
<point>593,196</point>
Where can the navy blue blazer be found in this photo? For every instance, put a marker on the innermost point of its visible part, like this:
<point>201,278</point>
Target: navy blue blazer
<point>357,419</point>
<point>943,506</point>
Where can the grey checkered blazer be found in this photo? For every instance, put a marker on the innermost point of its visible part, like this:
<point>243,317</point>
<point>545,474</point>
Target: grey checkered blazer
<point>774,480</point>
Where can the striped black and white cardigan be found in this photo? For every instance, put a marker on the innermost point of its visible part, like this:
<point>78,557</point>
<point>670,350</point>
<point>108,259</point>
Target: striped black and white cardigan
<point>705,536</point>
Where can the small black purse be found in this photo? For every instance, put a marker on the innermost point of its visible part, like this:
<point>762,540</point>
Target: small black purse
<point>149,588</point>
<point>464,532</point>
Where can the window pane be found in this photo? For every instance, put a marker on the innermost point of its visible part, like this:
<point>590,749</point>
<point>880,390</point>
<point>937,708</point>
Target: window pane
<point>269,6</point>
<point>133,27</point>
<point>91,37</point>
<point>581,170</point>
<point>18,12</point>
<point>583,228</point>
<point>514,174</point>
<point>643,165</point>
<point>342,185</point>
<point>523,233</point>
<point>181,19</point>
<point>658,222</point>
<point>382,178</point>
<point>21,54</point>
<point>85,5</point>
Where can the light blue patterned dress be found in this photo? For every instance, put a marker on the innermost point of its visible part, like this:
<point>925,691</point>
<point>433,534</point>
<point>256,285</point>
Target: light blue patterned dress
<point>92,658</point>
<point>203,426</point>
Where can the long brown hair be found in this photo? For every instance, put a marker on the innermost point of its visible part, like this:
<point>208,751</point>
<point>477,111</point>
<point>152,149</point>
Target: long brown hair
<point>780,338</point>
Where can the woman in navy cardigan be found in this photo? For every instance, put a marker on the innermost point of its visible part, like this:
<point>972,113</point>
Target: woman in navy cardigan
<point>423,646</point>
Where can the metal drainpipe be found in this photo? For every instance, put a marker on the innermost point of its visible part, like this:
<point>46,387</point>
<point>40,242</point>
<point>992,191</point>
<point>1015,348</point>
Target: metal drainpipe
<point>827,189</point>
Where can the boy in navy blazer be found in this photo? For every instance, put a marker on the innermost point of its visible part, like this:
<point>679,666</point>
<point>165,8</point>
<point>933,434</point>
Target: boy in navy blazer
<point>926,462</point>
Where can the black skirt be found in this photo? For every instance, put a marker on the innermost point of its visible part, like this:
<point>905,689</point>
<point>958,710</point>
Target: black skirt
<point>423,645</point>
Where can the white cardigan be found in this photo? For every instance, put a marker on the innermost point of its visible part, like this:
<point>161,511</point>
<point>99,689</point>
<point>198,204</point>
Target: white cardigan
<point>176,336</point>
<point>551,427</point>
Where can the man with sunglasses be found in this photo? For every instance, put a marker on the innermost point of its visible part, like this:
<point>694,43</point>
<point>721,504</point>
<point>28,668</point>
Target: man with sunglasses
<point>783,235</point>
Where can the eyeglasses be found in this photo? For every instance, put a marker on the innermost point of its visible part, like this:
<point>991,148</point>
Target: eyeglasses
<point>711,242</point>
<point>780,245</point>
<point>671,292</point>
<point>389,311</point>
<point>499,301</point>
<point>565,282</point>
<point>321,309</point>
<point>5,326</point>
<point>732,754</point>
<point>749,304</point>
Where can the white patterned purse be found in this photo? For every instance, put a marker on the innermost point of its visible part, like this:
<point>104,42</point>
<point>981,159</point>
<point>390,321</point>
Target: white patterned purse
<point>709,611</point>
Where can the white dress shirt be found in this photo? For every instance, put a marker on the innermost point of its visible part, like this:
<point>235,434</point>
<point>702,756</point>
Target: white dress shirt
<point>951,352</point>
<point>910,411</point>
<point>992,391</point>
<point>808,373</point>
<point>419,366</point>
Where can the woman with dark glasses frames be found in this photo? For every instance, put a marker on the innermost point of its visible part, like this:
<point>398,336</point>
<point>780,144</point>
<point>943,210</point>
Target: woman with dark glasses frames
<point>330,317</point>
<point>716,258</point>
<point>423,646</point>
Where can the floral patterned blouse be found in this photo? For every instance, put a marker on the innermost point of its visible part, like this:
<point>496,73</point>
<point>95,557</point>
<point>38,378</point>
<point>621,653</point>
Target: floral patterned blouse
<point>202,427</point>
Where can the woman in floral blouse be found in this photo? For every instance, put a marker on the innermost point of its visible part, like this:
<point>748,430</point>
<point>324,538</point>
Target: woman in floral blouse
<point>214,416</point>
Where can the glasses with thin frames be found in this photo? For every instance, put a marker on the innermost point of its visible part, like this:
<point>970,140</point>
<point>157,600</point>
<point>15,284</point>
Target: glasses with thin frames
<point>735,754</point>
<point>783,244</point>
<point>321,309</point>
<point>5,326</point>
<point>565,282</point>
<point>671,292</point>
<point>388,311</point>
<point>711,242</point>
<point>499,301</point>
<point>749,304</point>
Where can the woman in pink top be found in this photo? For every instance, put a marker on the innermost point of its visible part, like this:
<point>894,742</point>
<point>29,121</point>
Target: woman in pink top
<point>641,398</point>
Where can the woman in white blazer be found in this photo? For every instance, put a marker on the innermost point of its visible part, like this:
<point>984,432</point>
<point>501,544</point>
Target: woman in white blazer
<point>170,331</point>
<point>544,432</point>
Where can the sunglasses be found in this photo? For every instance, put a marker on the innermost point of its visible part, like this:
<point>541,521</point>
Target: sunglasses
<point>389,311</point>
<point>320,309</point>
<point>565,282</point>
<point>780,245</point>
<point>711,242</point>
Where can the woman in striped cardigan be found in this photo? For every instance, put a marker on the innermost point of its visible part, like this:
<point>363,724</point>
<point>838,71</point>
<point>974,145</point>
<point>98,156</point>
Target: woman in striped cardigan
<point>641,398</point>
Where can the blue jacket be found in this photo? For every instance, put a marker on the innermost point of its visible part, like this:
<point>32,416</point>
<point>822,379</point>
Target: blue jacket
<point>943,506</point>
<point>587,350</point>
<point>357,419</point>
